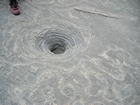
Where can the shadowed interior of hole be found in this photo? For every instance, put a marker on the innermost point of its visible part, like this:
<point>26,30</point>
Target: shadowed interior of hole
<point>57,48</point>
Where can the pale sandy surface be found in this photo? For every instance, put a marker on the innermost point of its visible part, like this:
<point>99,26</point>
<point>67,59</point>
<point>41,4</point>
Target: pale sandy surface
<point>101,62</point>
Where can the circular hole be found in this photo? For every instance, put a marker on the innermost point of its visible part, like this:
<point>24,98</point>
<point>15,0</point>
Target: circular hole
<point>57,48</point>
<point>60,41</point>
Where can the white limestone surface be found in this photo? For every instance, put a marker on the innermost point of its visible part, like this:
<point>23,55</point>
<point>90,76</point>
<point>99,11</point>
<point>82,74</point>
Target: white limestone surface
<point>70,52</point>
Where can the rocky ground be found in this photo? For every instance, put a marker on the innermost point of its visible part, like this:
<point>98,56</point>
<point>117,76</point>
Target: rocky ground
<point>70,52</point>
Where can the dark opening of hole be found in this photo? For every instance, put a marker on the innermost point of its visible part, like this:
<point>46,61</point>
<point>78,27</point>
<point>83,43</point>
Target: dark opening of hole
<point>57,49</point>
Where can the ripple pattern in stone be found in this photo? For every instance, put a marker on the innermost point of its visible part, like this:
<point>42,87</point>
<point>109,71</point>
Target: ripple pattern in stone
<point>70,52</point>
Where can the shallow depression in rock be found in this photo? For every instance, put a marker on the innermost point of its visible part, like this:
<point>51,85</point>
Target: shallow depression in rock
<point>59,41</point>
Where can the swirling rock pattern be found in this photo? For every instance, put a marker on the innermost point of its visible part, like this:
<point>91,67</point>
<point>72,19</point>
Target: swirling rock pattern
<point>70,52</point>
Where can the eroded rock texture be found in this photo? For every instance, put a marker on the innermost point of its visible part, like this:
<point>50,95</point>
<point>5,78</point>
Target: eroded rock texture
<point>70,52</point>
